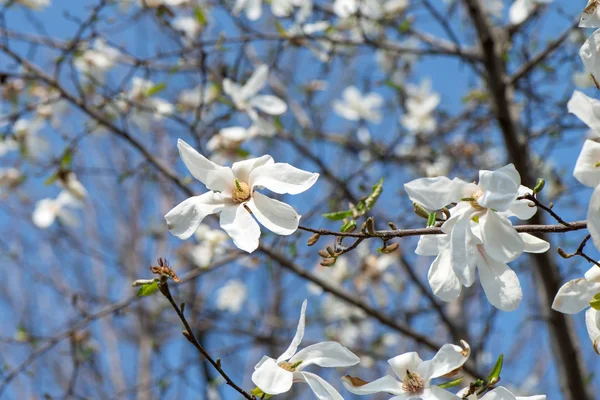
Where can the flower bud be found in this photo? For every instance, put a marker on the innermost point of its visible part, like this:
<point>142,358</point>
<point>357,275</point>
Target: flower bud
<point>390,249</point>
<point>328,262</point>
<point>324,253</point>
<point>313,239</point>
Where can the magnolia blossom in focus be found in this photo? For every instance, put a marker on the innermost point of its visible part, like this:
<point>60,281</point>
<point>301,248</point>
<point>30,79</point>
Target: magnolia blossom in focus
<point>415,375</point>
<point>355,106</point>
<point>276,376</point>
<point>589,55</point>
<point>499,393</point>
<point>576,295</point>
<point>493,244</point>
<point>245,98</point>
<point>520,10</point>
<point>48,210</point>
<point>233,194</point>
<point>231,296</point>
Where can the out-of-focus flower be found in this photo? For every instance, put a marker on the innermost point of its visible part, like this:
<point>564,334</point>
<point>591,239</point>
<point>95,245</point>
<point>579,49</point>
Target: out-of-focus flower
<point>231,296</point>
<point>48,210</point>
<point>142,105</point>
<point>499,393</point>
<point>520,10</point>
<point>95,61</point>
<point>212,244</point>
<point>192,99</point>
<point>420,105</point>
<point>36,5</point>
<point>70,183</point>
<point>355,106</point>
<point>26,133</point>
<point>189,26</point>
<point>252,9</point>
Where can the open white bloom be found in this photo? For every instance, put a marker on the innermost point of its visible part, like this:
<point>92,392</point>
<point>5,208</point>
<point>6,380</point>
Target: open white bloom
<point>233,194</point>
<point>97,60</point>
<point>245,98</point>
<point>354,106</point>
<point>575,296</point>
<point>276,376</point>
<point>589,55</point>
<point>415,375</point>
<point>143,106</point>
<point>499,393</point>
<point>590,17</point>
<point>231,296</point>
<point>493,244</point>
<point>36,5</point>
<point>48,210</point>
<point>520,10</point>
<point>420,105</point>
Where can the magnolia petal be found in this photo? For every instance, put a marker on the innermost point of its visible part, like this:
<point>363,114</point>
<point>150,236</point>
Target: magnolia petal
<point>325,354</point>
<point>431,193</point>
<point>291,350</point>
<point>500,239</point>
<point>586,108</point>
<point>387,384</point>
<point>587,170</point>
<point>343,110</point>
<point>242,169</point>
<point>407,361</point>
<point>214,177</point>
<point>258,80</point>
<point>282,178</point>
<point>462,246</point>
<point>501,393</point>
<point>345,8</point>
<point>44,213</point>
<point>590,19</point>
<point>521,208</point>
<point>432,245</point>
<point>239,224</point>
<point>500,187</point>
<point>589,54</point>
<point>520,10</point>
<point>271,378</point>
<point>436,393</point>
<point>321,388</point>
<point>593,217</point>
<point>275,215</point>
<point>449,358</point>
<point>575,295</point>
<point>443,281</point>
<point>500,284</point>
<point>592,323</point>
<point>184,219</point>
<point>234,134</point>
<point>269,104</point>
<point>534,244</point>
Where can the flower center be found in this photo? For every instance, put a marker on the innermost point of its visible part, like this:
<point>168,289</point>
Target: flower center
<point>412,382</point>
<point>288,366</point>
<point>473,200</point>
<point>241,192</point>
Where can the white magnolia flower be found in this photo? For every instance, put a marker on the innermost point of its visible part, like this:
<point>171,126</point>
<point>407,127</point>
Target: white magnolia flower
<point>589,55</point>
<point>369,8</point>
<point>575,296</point>
<point>499,393</point>
<point>590,17</point>
<point>143,106</point>
<point>192,99</point>
<point>245,97</point>
<point>415,375</point>
<point>493,244</point>
<point>233,195</point>
<point>158,3</point>
<point>189,26</point>
<point>10,178</point>
<point>520,10</point>
<point>97,60</point>
<point>71,184</point>
<point>354,106</point>
<point>212,244</point>
<point>586,109</point>
<point>26,133</point>
<point>48,210</point>
<point>231,296</point>
<point>36,5</point>
<point>252,9</point>
<point>420,105</point>
<point>276,376</point>
<point>7,145</point>
<point>284,8</point>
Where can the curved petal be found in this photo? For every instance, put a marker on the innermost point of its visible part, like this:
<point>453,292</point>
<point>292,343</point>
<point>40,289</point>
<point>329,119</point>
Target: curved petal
<point>575,295</point>
<point>500,187</point>
<point>44,213</point>
<point>271,378</point>
<point>291,350</point>
<point>587,170</point>
<point>449,358</point>
<point>534,244</point>
<point>321,388</point>
<point>500,239</point>
<point>387,384</point>
<point>214,177</point>
<point>463,245</point>
<point>501,393</point>
<point>437,393</point>
<point>234,134</point>
<point>443,281</point>
<point>407,361</point>
<point>521,208</point>
<point>275,215</point>
<point>184,219</point>
<point>242,169</point>
<point>432,245</point>
<point>269,104</point>
<point>593,217</point>
<point>500,284</point>
<point>431,193</point>
<point>282,178</point>
<point>592,323</point>
<point>585,108</point>
<point>345,111</point>
<point>257,81</point>
<point>325,354</point>
<point>239,224</point>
